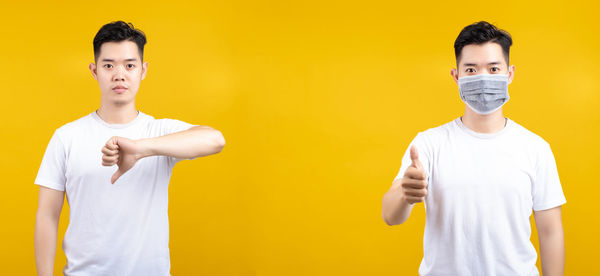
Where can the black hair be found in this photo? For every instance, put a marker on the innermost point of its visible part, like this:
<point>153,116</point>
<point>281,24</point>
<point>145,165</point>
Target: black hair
<point>119,31</point>
<point>479,33</point>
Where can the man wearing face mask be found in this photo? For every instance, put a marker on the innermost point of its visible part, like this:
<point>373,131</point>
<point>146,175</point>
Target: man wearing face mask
<point>481,176</point>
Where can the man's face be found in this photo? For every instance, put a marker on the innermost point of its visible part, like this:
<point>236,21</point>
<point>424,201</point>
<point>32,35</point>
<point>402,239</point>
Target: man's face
<point>119,71</point>
<point>486,58</point>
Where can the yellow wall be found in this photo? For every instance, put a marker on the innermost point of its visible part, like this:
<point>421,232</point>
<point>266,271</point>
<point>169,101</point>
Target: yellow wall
<point>317,101</point>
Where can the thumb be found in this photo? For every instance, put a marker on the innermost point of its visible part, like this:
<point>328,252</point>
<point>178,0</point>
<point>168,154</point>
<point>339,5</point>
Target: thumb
<point>116,176</point>
<point>414,156</point>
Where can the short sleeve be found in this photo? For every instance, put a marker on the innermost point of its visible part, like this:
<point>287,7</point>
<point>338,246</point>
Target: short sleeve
<point>547,190</point>
<point>169,126</point>
<point>52,172</point>
<point>424,156</point>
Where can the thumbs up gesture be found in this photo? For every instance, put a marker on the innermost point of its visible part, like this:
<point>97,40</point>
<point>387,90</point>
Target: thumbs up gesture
<point>414,183</point>
<point>120,151</point>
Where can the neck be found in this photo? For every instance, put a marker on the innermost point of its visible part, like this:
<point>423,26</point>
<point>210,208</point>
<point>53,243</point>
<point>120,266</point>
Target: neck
<point>117,114</point>
<point>490,123</point>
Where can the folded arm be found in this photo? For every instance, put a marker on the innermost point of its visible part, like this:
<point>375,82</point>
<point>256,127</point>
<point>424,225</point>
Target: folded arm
<point>188,144</point>
<point>195,142</point>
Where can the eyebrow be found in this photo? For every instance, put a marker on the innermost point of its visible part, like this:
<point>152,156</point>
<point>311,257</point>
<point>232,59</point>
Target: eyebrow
<point>112,60</point>
<point>491,63</point>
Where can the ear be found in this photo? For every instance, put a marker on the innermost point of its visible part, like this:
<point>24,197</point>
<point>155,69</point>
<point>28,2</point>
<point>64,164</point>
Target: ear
<point>511,73</point>
<point>93,68</point>
<point>144,69</point>
<point>454,74</point>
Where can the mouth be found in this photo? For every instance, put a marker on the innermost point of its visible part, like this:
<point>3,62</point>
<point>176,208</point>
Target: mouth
<point>119,89</point>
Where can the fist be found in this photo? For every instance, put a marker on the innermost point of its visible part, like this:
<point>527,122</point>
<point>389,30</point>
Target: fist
<point>414,182</point>
<point>120,151</point>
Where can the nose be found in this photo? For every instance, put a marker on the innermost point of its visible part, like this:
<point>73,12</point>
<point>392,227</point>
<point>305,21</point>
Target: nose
<point>119,74</point>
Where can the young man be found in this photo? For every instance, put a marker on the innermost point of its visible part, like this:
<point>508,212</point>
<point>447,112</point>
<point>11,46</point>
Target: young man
<point>481,175</point>
<point>114,166</point>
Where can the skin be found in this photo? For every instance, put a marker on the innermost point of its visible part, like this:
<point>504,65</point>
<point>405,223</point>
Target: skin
<point>404,193</point>
<point>119,63</point>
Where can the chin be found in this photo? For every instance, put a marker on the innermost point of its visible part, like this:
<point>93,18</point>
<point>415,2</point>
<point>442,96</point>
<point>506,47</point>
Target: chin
<point>121,102</point>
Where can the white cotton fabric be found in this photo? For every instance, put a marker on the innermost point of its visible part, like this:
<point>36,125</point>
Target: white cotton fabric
<point>114,229</point>
<point>482,189</point>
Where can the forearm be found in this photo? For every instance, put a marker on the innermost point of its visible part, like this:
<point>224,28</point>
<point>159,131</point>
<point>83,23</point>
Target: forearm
<point>395,209</point>
<point>552,252</point>
<point>194,142</point>
<point>45,236</point>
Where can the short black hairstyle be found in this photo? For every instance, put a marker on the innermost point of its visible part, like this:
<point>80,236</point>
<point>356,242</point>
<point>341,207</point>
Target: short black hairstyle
<point>117,31</point>
<point>479,33</point>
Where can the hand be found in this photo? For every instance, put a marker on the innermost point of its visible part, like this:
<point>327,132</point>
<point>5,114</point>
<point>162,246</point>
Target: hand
<point>414,183</point>
<point>123,152</point>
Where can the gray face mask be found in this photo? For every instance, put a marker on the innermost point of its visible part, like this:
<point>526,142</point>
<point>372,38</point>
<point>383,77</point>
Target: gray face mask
<point>484,93</point>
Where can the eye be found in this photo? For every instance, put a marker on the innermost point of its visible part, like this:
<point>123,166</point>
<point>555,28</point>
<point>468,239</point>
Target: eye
<point>495,69</point>
<point>108,66</point>
<point>470,70</point>
<point>130,65</point>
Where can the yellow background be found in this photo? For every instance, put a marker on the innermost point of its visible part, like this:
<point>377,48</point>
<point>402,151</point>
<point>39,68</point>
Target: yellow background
<point>317,100</point>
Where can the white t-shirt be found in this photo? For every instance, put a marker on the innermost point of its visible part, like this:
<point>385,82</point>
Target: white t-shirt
<point>114,229</point>
<point>482,189</point>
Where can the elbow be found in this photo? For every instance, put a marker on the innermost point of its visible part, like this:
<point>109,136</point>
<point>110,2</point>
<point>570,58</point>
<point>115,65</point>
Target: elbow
<point>213,144</point>
<point>389,220</point>
<point>390,214</point>
<point>550,232</point>
<point>219,142</point>
<point>210,141</point>
<point>45,218</point>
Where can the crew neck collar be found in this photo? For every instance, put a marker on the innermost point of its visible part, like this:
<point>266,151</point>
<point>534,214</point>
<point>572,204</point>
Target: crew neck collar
<point>462,126</point>
<point>130,123</point>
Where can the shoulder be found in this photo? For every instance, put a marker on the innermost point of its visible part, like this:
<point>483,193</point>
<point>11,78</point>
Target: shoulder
<point>165,126</point>
<point>533,145</point>
<point>430,140</point>
<point>160,121</point>
<point>437,133</point>
<point>167,122</point>
<point>528,137</point>
<point>70,129</point>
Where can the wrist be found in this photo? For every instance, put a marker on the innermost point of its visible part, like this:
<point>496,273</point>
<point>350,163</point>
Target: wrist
<point>146,148</point>
<point>404,201</point>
